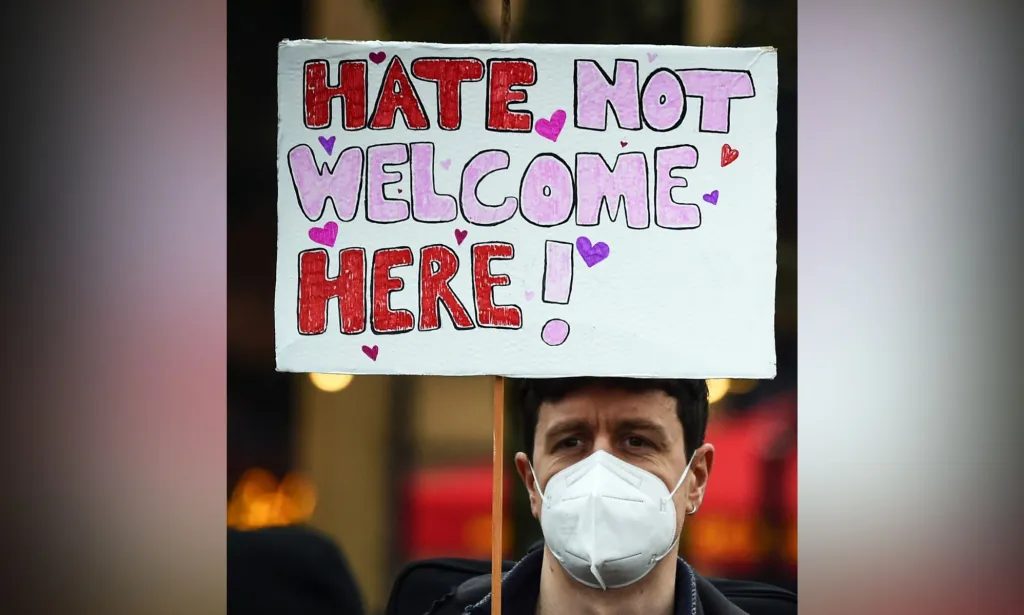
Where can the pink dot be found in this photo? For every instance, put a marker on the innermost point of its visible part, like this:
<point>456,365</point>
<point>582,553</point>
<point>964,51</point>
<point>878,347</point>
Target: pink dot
<point>555,332</point>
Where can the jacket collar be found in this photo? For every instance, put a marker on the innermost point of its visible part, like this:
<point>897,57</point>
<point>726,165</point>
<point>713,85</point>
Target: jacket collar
<point>520,587</point>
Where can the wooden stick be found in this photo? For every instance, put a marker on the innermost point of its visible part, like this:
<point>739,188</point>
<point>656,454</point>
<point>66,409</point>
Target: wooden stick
<point>506,21</point>
<point>498,488</point>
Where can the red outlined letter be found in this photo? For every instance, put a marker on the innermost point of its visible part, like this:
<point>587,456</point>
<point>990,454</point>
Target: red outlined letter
<point>351,87</point>
<point>448,73</point>
<point>438,265</point>
<point>503,75</point>
<point>316,289</point>
<point>488,314</point>
<point>397,94</point>
<point>384,319</point>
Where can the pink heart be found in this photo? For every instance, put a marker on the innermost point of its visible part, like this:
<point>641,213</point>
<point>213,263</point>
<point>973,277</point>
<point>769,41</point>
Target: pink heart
<point>460,235</point>
<point>651,57</point>
<point>326,235</point>
<point>446,163</point>
<point>377,57</point>
<point>371,352</point>
<point>529,295</point>
<point>623,143</point>
<point>550,129</point>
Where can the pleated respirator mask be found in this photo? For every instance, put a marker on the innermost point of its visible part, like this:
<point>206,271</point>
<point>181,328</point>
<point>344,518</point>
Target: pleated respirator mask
<point>608,522</point>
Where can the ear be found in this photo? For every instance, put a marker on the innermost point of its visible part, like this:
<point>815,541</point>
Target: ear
<point>703,460</point>
<point>526,475</point>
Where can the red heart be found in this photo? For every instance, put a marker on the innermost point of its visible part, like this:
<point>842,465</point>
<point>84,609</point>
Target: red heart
<point>729,155</point>
<point>623,143</point>
<point>371,351</point>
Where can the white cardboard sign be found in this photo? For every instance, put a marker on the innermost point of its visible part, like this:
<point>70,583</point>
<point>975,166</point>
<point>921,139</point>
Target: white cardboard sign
<point>526,210</point>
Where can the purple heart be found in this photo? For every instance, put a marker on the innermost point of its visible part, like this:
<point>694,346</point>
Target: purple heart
<point>328,144</point>
<point>592,254</point>
<point>712,197</point>
<point>325,236</point>
<point>377,57</point>
<point>550,129</point>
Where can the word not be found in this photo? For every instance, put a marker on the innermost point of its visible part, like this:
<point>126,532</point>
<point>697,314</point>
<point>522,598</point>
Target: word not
<point>660,103</point>
<point>550,192</point>
<point>438,266</point>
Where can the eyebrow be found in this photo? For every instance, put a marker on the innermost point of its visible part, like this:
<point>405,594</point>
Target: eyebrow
<point>566,427</point>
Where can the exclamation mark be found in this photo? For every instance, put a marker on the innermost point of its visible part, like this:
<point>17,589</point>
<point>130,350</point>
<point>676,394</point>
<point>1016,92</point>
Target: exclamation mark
<point>558,261</point>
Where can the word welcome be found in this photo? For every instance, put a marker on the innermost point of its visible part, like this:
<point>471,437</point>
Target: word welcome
<point>550,191</point>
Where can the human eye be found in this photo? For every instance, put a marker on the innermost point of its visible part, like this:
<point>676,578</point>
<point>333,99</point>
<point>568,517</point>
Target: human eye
<point>568,443</point>
<point>638,442</point>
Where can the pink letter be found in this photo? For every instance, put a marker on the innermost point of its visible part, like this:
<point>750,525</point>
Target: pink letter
<point>427,205</point>
<point>598,185</point>
<point>595,91</point>
<point>717,88</point>
<point>546,193</point>
<point>379,208</point>
<point>664,101</point>
<point>669,213</point>
<point>339,183</point>
<point>479,167</point>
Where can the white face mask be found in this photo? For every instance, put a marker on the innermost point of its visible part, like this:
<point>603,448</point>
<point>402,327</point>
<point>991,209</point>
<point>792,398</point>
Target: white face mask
<point>608,522</point>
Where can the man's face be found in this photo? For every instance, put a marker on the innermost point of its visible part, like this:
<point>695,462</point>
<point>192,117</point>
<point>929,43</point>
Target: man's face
<point>641,428</point>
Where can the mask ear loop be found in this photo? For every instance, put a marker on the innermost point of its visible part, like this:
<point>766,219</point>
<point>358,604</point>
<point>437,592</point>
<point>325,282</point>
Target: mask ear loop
<point>678,535</point>
<point>536,485</point>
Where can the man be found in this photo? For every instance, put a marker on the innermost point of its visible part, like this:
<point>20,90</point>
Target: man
<point>613,466</point>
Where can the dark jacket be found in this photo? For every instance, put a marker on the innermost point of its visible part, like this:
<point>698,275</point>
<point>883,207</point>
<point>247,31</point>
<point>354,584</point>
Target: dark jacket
<point>520,587</point>
<point>289,570</point>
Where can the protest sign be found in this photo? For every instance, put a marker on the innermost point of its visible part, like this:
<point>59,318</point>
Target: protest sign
<point>526,210</point>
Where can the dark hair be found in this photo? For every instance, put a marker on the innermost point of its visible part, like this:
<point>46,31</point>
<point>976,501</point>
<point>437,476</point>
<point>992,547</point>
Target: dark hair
<point>691,401</point>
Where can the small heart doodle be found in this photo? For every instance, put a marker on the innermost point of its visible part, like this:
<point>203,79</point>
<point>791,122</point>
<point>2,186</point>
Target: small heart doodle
<point>460,235</point>
<point>377,57</point>
<point>328,144</point>
<point>371,351</point>
<point>729,155</point>
<point>592,254</point>
<point>712,197</point>
<point>325,235</point>
<point>551,128</point>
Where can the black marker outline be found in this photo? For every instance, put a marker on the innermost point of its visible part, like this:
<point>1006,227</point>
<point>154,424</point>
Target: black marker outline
<point>572,184</point>
<point>327,272</point>
<point>330,101</point>
<point>384,197</point>
<point>437,84</point>
<point>512,88</point>
<point>620,203</point>
<point>572,272</point>
<point>372,267</point>
<point>380,94</point>
<point>728,115</point>
<point>433,184</point>
<point>686,184</point>
<point>476,304</point>
<point>329,168</point>
<point>682,90</point>
<point>607,103</point>
<point>475,197</point>
<point>439,301</point>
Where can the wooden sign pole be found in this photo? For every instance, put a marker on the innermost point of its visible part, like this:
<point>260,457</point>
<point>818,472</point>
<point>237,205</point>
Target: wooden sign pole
<point>498,488</point>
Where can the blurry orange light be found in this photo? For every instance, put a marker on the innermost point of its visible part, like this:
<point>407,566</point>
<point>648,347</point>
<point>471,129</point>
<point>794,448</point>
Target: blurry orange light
<point>260,501</point>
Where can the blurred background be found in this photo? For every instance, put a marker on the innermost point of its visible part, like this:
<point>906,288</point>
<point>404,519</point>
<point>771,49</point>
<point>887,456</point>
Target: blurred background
<point>399,468</point>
